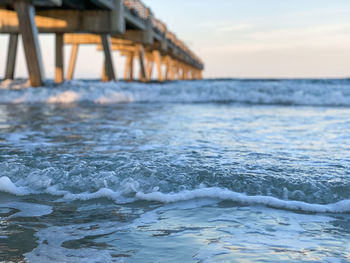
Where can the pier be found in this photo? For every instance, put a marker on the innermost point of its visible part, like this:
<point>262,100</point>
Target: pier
<point>126,26</point>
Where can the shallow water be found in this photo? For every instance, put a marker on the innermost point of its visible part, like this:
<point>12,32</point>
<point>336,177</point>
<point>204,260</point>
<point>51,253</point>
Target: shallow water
<point>204,171</point>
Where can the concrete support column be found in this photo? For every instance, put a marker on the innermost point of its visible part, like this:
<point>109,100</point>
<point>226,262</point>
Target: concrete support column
<point>176,70</point>
<point>195,74</point>
<point>149,66</point>
<point>59,70</point>
<point>172,70</point>
<point>108,68</point>
<point>72,61</point>
<point>11,56</point>
<point>184,72</point>
<point>188,73</point>
<point>168,64</point>
<point>158,61</point>
<point>200,74</point>
<point>141,56</point>
<point>129,67</point>
<point>191,73</point>
<point>27,27</point>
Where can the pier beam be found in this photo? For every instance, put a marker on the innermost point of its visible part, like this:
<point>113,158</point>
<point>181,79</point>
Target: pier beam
<point>108,69</point>
<point>59,71</point>
<point>11,56</point>
<point>72,61</point>
<point>149,35</point>
<point>118,18</point>
<point>27,27</point>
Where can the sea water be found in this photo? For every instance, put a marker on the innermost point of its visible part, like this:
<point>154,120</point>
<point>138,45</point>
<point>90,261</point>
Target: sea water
<point>197,171</point>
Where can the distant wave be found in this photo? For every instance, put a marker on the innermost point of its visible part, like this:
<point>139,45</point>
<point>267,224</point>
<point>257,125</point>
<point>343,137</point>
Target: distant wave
<point>267,92</point>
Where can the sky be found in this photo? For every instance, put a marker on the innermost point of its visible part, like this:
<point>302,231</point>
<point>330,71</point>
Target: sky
<point>240,38</point>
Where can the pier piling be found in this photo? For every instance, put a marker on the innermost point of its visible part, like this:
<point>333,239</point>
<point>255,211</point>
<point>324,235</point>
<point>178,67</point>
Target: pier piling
<point>141,56</point>
<point>59,71</point>
<point>28,30</point>
<point>72,61</point>
<point>11,56</point>
<point>108,72</point>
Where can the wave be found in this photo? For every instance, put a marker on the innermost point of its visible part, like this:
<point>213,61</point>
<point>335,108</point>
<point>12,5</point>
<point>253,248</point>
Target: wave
<point>221,194</point>
<point>270,92</point>
<point>224,194</point>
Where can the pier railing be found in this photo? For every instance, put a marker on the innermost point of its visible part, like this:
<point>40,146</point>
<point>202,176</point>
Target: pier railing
<point>158,26</point>
<point>137,8</point>
<point>171,37</point>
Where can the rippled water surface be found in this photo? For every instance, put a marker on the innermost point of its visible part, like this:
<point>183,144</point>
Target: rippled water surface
<point>204,171</point>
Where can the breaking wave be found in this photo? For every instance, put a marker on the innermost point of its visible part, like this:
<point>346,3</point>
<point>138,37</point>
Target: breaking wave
<point>221,194</point>
<point>330,92</point>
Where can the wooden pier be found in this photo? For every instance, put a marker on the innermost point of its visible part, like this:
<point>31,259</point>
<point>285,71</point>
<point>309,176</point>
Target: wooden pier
<point>126,26</point>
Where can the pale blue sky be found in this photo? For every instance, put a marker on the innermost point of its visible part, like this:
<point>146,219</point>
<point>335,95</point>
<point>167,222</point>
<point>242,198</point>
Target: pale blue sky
<point>250,38</point>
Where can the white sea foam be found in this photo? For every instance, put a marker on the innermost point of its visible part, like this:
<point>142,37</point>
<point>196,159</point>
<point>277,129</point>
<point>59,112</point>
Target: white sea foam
<point>297,92</point>
<point>7,186</point>
<point>131,187</point>
<point>102,193</point>
<point>52,250</point>
<point>64,97</point>
<point>224,194</point>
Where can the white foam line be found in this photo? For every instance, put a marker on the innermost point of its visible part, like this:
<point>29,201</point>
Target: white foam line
<point>224,194</point>
<point>115,196</point>
<point>218,193</point>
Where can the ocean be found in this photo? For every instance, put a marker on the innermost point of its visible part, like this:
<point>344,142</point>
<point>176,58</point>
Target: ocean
<point>192,171</point>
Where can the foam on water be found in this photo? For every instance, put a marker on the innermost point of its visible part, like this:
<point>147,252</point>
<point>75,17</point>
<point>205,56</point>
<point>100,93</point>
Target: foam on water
<point>216,193</point>
<point>224,194</point>
<point>277,92</point>
<point>7,186</point>
<point>52,250</point>
<point>222,233</point>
